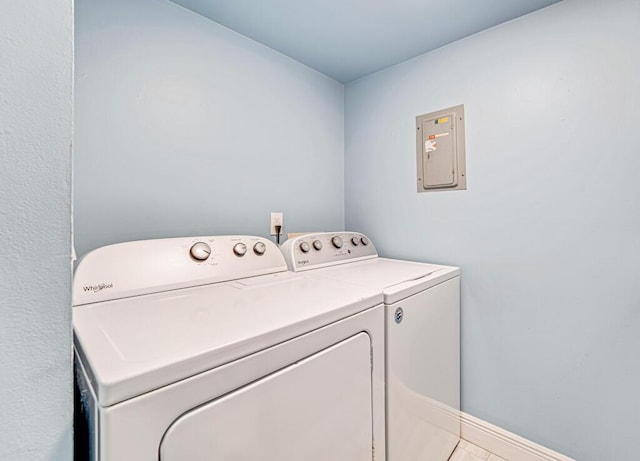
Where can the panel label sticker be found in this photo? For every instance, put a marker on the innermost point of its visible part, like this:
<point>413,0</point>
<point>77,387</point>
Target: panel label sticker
<point>430,146</point>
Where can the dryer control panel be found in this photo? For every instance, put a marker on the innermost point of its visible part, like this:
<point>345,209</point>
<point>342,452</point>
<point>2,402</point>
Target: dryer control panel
<point>312,251</point>
<point>150,266</point>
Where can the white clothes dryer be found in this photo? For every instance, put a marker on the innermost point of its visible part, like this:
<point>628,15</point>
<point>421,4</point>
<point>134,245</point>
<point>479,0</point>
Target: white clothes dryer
<point>207,348</point>
<point>422,319</point>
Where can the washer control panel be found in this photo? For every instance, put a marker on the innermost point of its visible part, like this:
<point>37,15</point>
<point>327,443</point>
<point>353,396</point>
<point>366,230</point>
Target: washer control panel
<point>149,266</point>
<point>312,251</point>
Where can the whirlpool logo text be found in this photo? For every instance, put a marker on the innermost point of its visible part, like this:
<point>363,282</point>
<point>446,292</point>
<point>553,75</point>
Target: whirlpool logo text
<point>98,288</point>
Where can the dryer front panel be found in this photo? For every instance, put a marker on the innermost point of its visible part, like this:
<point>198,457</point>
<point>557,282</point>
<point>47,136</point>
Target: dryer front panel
<point>317,409</point>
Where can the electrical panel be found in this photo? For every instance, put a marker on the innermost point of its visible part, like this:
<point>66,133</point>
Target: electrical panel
<point>440,150</point>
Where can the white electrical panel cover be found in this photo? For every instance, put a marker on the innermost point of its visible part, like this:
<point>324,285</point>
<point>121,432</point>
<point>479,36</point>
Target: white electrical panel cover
<point>440,150</point>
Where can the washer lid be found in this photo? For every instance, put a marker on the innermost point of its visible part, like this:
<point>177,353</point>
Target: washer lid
<point>138,344</point>
<point>396,279</point>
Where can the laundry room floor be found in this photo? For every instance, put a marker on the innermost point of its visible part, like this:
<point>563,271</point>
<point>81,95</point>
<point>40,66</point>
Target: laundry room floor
<point>466,451</point>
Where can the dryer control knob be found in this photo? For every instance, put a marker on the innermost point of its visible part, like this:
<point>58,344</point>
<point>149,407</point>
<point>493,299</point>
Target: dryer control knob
<point>240,249</point>
<point>304,247</point>
<point>317,244</point>
<point>259,248</point>
<point>364,240</point>
<point>355,241</point>
<point>200,251</point>
<point>337,241</point>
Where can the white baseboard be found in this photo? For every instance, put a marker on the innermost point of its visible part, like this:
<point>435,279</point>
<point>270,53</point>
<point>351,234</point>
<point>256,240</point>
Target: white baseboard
<point>504,443</point>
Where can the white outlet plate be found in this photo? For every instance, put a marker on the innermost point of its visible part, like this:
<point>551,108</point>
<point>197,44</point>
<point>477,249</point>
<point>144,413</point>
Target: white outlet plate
<point>277,220</point>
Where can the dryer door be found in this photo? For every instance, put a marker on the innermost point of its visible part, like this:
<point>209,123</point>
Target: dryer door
<point>318,409</point>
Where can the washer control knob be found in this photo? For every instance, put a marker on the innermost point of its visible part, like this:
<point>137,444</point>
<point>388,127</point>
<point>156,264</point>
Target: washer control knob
<point>304,247</point>
<point>259,248</point>
<point>337,241</point>
<point>317,244</point>
<point>364,240</point>
<point>200,251</point>
<point>240,249</point>
<point>355,241</point>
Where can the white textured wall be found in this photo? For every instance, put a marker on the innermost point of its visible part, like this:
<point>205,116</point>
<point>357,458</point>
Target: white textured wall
<point>36,43</point>
<point>548,232</point>
<point>184,127</point>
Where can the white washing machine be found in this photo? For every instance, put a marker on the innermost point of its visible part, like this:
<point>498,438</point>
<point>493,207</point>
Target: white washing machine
<point>193,349</point>
<point>422,318</point>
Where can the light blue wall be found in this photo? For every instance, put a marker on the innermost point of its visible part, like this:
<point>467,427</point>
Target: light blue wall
<point>36,43</point>
<point>184,128</point>
<point>548,232</point>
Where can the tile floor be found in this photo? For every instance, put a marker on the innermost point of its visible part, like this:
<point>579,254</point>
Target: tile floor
<point>466,451</point>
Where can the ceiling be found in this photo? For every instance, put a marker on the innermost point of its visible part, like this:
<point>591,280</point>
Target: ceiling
<point>348,39</point>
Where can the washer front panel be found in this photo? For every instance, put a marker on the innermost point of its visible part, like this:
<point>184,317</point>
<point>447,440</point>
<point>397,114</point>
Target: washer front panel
<point>315,410</point>
<point>423,402</point>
